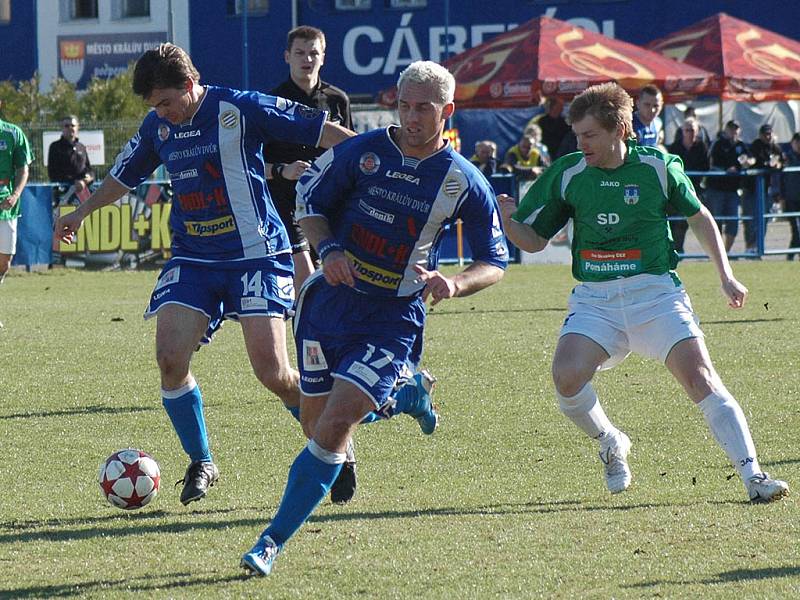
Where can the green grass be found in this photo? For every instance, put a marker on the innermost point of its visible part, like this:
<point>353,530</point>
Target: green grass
<point>506,500</point>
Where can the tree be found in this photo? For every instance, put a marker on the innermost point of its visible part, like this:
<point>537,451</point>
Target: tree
<point>112,99</point>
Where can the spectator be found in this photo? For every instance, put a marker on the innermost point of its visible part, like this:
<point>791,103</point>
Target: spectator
<point>485,157</point>
<point>702,135</point>
<point>67,160</point>
<point>791,193</point>
<point>534,131</point>
<point>523,159</point>
<point>694,154</point>
<point>647,125</point>
<point>552,123</point>
<point>728,153</point>
<point>15,156</point>
<point>766,155</point>
<point>305,55</point>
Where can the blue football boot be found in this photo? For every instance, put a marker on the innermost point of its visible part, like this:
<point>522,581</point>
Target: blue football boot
<point>258,560</point>
<point>422,408</point>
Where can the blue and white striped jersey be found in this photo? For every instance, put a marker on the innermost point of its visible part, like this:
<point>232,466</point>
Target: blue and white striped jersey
<point>388,210</point>
<point>221,209</point>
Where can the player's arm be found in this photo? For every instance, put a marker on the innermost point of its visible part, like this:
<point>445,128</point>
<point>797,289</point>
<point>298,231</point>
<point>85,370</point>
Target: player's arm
<point>336,267</point>
<point>519,234</point>
<point>20,180</point>
<point>109,191</point>
<point>473,279</point>
<point>705,230</point>
<point>333,133</point>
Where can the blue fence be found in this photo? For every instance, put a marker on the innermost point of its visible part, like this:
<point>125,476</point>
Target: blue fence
<point>35,230</point>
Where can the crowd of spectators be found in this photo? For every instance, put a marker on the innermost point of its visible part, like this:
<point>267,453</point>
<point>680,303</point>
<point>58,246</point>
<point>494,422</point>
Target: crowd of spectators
<point>730,196</point>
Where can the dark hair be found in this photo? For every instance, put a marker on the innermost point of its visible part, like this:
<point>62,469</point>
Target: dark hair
<point>650,90</point>
<point>305,32</point>
<point>606,102</point>
<point>70,118</point>
<point>167,66</point>
<point>796,137</point>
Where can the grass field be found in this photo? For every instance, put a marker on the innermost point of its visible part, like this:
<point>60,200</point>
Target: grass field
<point>506,500</point>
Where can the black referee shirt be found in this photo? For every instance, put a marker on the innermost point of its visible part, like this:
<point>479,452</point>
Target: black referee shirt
<point>325,97</point>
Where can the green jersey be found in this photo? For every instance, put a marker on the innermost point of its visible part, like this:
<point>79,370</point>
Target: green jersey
<point>619,215</point>
<point>15,152</point>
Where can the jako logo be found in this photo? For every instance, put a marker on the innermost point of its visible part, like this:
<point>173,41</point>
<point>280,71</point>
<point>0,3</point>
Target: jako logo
<point>406,176</point>
<point>186,134</point>
<point>605,183</point>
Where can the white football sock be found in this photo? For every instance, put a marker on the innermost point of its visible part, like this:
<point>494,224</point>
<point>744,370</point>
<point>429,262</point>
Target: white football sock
<point>729,427</point>
<point>585,411</point>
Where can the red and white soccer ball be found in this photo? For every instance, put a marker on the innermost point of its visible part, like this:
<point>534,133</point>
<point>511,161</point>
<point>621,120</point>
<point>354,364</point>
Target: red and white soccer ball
<point>129,478</point>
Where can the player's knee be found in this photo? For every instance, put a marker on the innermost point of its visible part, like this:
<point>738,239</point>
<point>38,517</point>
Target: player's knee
<point>568,380</point>
<point>173,367</point>
<point>284,383</point>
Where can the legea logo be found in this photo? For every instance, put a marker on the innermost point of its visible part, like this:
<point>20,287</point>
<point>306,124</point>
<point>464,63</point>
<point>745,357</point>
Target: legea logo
<point>405,176</point>
<point>179,135</point>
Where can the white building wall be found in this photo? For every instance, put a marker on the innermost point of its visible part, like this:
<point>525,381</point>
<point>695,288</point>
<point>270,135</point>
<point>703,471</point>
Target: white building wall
<point>52,21</point>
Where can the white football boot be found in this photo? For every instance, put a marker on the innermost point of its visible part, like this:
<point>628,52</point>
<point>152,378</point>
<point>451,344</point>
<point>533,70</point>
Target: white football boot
<point>614,449</point>
<point>762,489</point>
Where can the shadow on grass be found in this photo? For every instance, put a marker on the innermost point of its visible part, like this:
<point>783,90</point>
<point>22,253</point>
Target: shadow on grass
<point>56,530</point>
<point>143,583</point>
<point>83,410</point>
<point>726,577</point>
<point>433,312</point>
<point>740,321</point>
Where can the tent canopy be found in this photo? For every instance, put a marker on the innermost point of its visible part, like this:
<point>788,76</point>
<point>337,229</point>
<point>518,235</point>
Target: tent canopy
<point>548,57</point>
<point>750,63</point>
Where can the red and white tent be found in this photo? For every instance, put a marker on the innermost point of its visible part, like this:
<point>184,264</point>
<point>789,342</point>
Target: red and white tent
<point>749,63</point>
<point>548,57</point>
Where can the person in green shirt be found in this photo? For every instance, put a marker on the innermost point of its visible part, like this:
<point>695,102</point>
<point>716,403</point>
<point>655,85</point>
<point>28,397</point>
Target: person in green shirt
<point>15,156</point>
<point>629,298</point>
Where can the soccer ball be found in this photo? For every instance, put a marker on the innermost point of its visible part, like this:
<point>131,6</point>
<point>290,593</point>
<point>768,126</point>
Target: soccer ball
<point>129,478</point>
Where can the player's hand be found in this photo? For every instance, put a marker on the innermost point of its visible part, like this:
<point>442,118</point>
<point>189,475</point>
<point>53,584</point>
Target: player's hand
<point>67,226</point>
<point>338,269</point>
<point>507,206</point>
<point>80,185</point>
<point>436,285</point>
<point>9,202</point>
<point>735,292</point>
<point>293,171</point>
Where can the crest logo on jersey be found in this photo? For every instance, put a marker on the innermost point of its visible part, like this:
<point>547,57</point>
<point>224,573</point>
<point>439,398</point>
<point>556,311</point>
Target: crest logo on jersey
<point>452,186</point>
<point>369,163</point>
<point>631,194</point>
<point>163,132</point>
<point>313,358</point>
<point>229,119</point>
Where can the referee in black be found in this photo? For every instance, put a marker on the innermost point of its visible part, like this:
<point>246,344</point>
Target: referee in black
<point>305,55</point>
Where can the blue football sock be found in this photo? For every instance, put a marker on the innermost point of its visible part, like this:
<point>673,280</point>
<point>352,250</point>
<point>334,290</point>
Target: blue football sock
<point>185,409</point>
<point>310,479</point>
<point>295,411</point>
<point>370,417</point>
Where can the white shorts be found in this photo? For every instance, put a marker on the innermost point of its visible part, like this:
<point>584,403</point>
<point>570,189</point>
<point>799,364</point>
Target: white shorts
<point>8,236</point>
<point>646,314</point>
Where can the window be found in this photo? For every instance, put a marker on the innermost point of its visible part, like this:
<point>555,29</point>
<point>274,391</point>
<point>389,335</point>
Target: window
<point>353,4</point>
<point>135,8</point>
<point>408,3</point>
<point>254,7</point>
<point>82,9</point>
<point>5,11</point>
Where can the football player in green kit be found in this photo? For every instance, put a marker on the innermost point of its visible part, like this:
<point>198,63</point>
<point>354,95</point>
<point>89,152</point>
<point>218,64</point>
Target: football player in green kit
<point>629,298</point>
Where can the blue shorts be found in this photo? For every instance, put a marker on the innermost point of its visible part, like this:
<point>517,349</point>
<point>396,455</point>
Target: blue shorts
<point>373,342</point>
<point>262,287</point>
